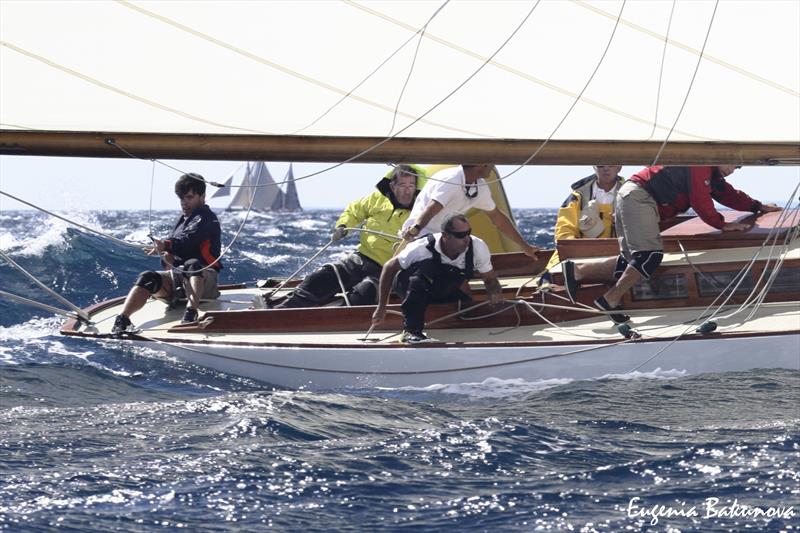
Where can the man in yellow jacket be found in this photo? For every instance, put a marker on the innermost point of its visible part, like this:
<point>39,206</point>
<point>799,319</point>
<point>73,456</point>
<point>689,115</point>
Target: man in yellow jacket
<point>588,210</point>
<point>384,211</point>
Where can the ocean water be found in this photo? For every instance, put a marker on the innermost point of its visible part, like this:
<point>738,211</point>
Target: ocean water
<point>106,437</point>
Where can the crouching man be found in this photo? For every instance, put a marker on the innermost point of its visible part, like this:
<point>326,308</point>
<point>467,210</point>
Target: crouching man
<point>189,257</point>
<point>433,269</point>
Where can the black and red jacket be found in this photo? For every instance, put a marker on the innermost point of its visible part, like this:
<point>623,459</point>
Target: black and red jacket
<point>197,236</point>
<point>676,189</point>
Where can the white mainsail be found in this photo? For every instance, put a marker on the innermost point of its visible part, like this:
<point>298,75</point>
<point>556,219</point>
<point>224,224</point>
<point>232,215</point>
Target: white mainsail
<point>55,78</point>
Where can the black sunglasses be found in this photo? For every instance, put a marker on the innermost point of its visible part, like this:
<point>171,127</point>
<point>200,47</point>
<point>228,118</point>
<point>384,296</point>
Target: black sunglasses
<point>460,234</point>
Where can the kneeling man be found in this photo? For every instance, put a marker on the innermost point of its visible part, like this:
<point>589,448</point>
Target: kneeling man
<point>433,270</point>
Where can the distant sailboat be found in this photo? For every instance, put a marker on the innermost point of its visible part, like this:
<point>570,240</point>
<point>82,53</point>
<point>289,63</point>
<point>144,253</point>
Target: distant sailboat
<point>260,189</point>
<point>289,200</point>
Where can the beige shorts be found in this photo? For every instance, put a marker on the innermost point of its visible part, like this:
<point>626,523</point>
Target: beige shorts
<point>636,218</point>
<point>210,289</point>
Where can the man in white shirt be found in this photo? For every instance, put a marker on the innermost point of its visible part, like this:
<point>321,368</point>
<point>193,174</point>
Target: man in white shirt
<point>456,190</point>
<point>433,270</point>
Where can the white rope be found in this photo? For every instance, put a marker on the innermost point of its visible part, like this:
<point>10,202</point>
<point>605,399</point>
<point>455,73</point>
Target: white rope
<point>341,284</point>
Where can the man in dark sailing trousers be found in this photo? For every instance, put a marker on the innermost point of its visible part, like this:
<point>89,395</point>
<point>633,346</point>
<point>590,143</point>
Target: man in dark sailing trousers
<point>189,256</point>
<point>382,211</point>
<point>433,269</point>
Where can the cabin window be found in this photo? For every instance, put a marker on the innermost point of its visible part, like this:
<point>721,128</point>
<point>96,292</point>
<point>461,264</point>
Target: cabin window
<point>658,287</point>
<point>787,280</point>
<point>713,283</point>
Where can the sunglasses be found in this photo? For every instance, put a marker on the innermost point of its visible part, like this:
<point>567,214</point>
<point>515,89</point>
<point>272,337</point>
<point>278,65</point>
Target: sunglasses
<point>460,234</point>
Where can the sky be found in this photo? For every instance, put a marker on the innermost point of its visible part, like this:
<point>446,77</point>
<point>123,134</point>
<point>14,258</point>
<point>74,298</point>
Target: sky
<point>82,184</point>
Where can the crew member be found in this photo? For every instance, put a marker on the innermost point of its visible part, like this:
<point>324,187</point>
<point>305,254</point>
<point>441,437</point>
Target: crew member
<point>456,190</point>
<point>189,255</point>
<point>433,269</point>
<point>384,210</point>
<point>588,211</point>
<point>653,194</point>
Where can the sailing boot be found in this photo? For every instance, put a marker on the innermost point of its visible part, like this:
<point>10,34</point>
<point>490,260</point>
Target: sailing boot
<point>190,315</point>
<point>121,325</point>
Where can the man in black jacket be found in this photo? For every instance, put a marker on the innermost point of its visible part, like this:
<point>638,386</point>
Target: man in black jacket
<point>189,256</point>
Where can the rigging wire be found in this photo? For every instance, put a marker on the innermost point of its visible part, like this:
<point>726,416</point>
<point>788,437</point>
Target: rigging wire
<point>575,101</point>
<point>411,68</point>
<point>740,276</point>
<point>44,287</point>
<point>88,229</point>
<point>150,207</point>
<point>691,84</point>
<point>526,76</point>
<point>152,103</point>
<point>661,71</point>
<point>374,71</point>
<point>33,303</point>
<point>276,66</point>
<point>426,113</point>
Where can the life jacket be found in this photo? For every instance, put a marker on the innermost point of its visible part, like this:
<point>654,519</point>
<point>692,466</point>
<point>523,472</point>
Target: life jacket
<point>469,260</point>
<point>446,278</point>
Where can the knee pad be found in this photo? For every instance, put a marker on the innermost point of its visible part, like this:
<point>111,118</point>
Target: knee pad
<point>647,262</point>
<point>192,267</point>
<point>149,280</point>
<point>364,292</point>
<point>620,267</point>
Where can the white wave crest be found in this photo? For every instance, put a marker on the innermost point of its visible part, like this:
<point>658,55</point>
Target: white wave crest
<point>308,224</point>
<point>35,328</point>
<point>52,233</point>
<point>267,260</point>
<point>489,388</point>
<point>269,233</point>
<point>655,374</point>
<point>35,335</point>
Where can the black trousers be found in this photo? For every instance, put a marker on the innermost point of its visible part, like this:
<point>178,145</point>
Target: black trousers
<point>419,289</point>
<point>359,275</point>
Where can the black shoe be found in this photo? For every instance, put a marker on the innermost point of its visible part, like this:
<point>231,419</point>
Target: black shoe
<point>571,285</point>
<point>414,337</point>
<point>121,325</point>
<point>618,318</point>
<point>545,280</point>
<point>189,316</point>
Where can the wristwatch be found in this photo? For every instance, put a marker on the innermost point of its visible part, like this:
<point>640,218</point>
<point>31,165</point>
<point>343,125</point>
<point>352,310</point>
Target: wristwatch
<point>417,228</point>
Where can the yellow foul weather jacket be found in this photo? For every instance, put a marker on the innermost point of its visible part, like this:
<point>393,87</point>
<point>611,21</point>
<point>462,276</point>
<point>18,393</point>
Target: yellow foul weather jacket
<point>379,211</point>
<point>569,214</point>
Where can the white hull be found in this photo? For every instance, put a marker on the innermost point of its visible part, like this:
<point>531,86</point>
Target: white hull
<point>578,349</point>
<point>333,368</point>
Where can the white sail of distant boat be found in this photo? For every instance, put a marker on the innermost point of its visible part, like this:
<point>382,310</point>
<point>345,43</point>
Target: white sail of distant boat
<point>225,190</point>
<point>288,200</point>
<point>260,188</point>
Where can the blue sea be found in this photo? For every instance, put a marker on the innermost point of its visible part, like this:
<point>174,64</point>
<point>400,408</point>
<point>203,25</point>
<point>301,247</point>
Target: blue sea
<point>108,437</point>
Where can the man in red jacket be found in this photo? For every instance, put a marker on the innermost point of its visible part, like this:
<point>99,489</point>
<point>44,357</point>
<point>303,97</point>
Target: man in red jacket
<point>646,198</point>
